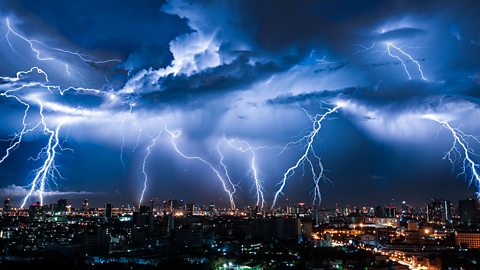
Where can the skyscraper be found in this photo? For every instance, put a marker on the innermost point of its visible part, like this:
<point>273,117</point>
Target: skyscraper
<point>7,205</point>
<point>439,211</point>
<point>85,205</point>
<point>61,206</point>
<point>108,210</point>
<point>469,211</point>
<point>171,205</point>
<point>189,209</point>
<point>391,211</point>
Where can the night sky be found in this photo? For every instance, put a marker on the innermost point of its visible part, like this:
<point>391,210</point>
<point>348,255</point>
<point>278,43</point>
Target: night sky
<point>125,82</point>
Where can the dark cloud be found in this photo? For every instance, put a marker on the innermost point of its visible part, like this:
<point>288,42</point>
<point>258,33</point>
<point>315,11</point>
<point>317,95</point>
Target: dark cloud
<point>213,82</point>
<point>123,29</point>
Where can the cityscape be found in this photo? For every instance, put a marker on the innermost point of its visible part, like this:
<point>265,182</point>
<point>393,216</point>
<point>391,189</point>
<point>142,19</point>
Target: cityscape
<point>172,233</point>
<point>239,134</point>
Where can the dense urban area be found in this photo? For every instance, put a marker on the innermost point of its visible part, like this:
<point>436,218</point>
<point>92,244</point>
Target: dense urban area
<point>173,234</point>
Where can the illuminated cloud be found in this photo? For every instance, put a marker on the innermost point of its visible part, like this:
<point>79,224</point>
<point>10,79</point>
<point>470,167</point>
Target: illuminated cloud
<point>19,191</point>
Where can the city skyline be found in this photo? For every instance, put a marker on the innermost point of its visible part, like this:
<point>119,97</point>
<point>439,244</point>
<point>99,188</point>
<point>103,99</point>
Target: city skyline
<point>158,203</point>
<point>174,233</point>
<point>239,103</point>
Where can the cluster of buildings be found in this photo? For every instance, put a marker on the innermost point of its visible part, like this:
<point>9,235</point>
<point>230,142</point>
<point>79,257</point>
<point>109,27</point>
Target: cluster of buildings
<point>393,236</point>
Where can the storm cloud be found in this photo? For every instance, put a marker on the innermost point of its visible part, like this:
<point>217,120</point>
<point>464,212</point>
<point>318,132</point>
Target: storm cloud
<point>118,73</point>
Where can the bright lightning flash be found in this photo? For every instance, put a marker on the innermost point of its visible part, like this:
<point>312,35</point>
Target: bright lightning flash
<point>230,191</point>
<point>391,47</point>
<point>461,150</point>
<point>144,170</point>
<point>245,147</point>
<point>48,169</point>
<point>11,87</point>
<point>38,53</point>
<point>307,156</point>
<point>397,53</point>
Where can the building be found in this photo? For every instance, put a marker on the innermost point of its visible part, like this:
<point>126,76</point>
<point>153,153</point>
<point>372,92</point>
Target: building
<point>412,234</point>
<point>439,211</point>
<point>469,211</point>
<point>468,239</point>
<point>211,209</point>
<point>85,205</point>
<point>167,224</point>
<point>379,211</point>
<point>142,225</point>
<point>172,205</point>
<point>190,209</point>
<point>97,240</point>
<point>7,205</point>
<point>281,229</point>
<point>412,226</point>
<point>61,206</point>
<point>301,209</point>
<point>143,218</point>
<point>390,211</point>
<point>379,222</point>
<point>385,212</point>
<point>290,209</point>
<point>108,210</point>
<point>37,211</point>
<point>322,216</point>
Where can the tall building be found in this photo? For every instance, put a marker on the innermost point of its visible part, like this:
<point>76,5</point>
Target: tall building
<point>97,240</point>
<point>142,225</point>
<point>85,205</point>
<point>290,209</point>
<point>37,211</point>
<point>390,211</point>
<point>61,206</point>
<point>190,209</point>
<point>439,211</point>
<point>301,209</point>
<point>469,211</point>
<point>7,205</point>
<point>167,224</point>
<point>385,212</point>
<point>108,210</point>
<point>379,211</point>
<point>172,205</point>
<point>211,209</point>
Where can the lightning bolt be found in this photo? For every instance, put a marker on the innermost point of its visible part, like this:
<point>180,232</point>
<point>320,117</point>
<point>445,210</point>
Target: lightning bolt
<point>225,170</point>
<point>245,147</point>
<point>17,138</point>
<point>461,149</point>
<point>84,57</point>
<point>30,42</point>
<point>317,124</point>
<point>176,134</point>
<point>48,153</point>
<point>48,169</point>
<point>144,170</point>
<point>395,52</point>
<point>408,56</point>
